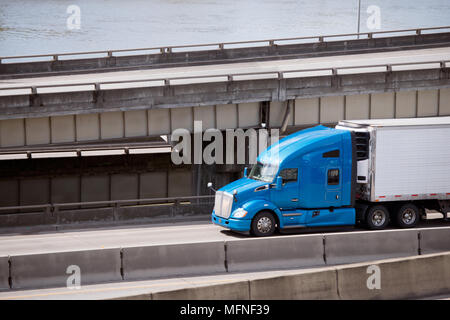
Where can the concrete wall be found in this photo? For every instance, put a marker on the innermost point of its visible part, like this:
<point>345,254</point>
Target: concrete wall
<point>141,123</point>
<point>84,188</point>
<point>402,104</point>
<point>401,278</point>
<point>4,273</point>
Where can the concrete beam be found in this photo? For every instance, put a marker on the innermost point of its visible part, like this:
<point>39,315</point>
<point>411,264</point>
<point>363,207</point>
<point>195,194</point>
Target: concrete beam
<point>210,94</point>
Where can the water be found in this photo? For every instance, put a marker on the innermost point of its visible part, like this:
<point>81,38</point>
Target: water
<point>39,26</point>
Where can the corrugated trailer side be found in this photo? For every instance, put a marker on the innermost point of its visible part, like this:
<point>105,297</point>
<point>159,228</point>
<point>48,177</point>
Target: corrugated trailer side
<point>410,163</point>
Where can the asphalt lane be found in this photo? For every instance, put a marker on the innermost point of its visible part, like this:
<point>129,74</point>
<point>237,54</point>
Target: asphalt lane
<point>146,235</point>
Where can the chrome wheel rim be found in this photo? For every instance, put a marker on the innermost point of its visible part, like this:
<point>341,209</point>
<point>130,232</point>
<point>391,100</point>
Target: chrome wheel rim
<point>408,216</point>
<point>378,218</point>
<point>264,225</point>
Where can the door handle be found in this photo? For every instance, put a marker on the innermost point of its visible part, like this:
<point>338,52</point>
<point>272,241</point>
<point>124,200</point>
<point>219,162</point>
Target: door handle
<point>316,213</point>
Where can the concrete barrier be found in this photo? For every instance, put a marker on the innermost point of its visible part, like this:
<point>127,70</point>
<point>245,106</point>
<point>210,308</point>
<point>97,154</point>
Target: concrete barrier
<point>434,240</point>
<point>366,246</point>
<point>145,212</point>
<point>4,273</point>
<point>173,260</point>
<point>85,215</point>
<point>401,278</point>
<point>229,291</point>
<point>215,56</point>
<point>309,285</point>
<point>26,219</point>
<point>49,269</point>
<point>275,253</point>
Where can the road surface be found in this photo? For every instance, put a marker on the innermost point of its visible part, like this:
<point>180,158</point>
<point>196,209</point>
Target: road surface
<point>143,235</point>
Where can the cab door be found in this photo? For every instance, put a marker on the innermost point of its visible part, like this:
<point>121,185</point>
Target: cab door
<point>287,197</point>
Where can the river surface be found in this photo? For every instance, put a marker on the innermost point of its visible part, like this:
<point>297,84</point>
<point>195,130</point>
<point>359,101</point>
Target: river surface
<point>40,26</point>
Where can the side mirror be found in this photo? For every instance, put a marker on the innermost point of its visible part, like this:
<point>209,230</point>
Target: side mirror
<point>210,186</point>
<point>245,172</point>
<point>279,182</point>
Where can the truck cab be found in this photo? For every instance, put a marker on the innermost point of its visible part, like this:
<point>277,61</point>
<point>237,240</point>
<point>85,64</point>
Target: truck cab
<point>306,179</point>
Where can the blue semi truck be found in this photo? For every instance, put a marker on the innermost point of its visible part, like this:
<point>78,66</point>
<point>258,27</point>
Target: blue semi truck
<point>368,172</point>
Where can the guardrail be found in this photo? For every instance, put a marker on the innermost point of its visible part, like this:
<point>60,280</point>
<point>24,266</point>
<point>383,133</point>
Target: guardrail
<point>332,71</point>
<point>167,207</point>
<point>223,45</point>
<point>52,207</point>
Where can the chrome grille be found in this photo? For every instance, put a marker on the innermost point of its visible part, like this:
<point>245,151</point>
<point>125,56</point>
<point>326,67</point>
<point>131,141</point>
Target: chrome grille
<point>222,204</point>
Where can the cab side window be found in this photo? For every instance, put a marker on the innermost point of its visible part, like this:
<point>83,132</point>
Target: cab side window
<point>289,175</point>
<point>333,177</point>
<point>332,154</point>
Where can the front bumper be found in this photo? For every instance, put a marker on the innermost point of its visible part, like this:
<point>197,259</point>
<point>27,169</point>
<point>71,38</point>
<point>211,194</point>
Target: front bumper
<point>230,223</point>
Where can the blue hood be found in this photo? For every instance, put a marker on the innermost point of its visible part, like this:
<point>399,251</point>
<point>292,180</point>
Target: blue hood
<point>242,185</point>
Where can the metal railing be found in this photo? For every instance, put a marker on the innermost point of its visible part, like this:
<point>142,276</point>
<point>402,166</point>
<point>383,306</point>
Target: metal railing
<point>51,208</point>
<point>224,45</point>
<point>332,71</point>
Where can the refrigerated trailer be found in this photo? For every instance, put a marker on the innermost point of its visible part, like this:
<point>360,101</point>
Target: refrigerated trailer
<point>367,172</point>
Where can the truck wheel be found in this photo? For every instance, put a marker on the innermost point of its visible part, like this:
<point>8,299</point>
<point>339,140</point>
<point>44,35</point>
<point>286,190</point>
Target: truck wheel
<point>407,216</point>
<point>377,217</point>
<point>263,224</point>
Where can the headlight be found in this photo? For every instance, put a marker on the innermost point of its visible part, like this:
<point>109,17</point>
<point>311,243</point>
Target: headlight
<point>239,213</point>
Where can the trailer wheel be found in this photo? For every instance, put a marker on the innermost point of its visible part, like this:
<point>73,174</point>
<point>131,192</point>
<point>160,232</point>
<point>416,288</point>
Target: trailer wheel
<point>407,216</point>
<point>377,217</point>
<point>263,224</point>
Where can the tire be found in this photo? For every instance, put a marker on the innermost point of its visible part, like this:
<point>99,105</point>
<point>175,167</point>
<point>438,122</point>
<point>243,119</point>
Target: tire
<point>407,216</point>
<point>263,224</point>
<point>377,217</point>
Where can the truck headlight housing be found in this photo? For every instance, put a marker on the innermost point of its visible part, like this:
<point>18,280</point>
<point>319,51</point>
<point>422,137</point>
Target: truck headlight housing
<point>239,213</point>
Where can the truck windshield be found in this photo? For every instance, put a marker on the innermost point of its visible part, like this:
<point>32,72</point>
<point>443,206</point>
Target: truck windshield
<point>264,172</point>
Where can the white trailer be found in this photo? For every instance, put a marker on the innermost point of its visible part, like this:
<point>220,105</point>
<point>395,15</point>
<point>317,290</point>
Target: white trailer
<point>403,161</point>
